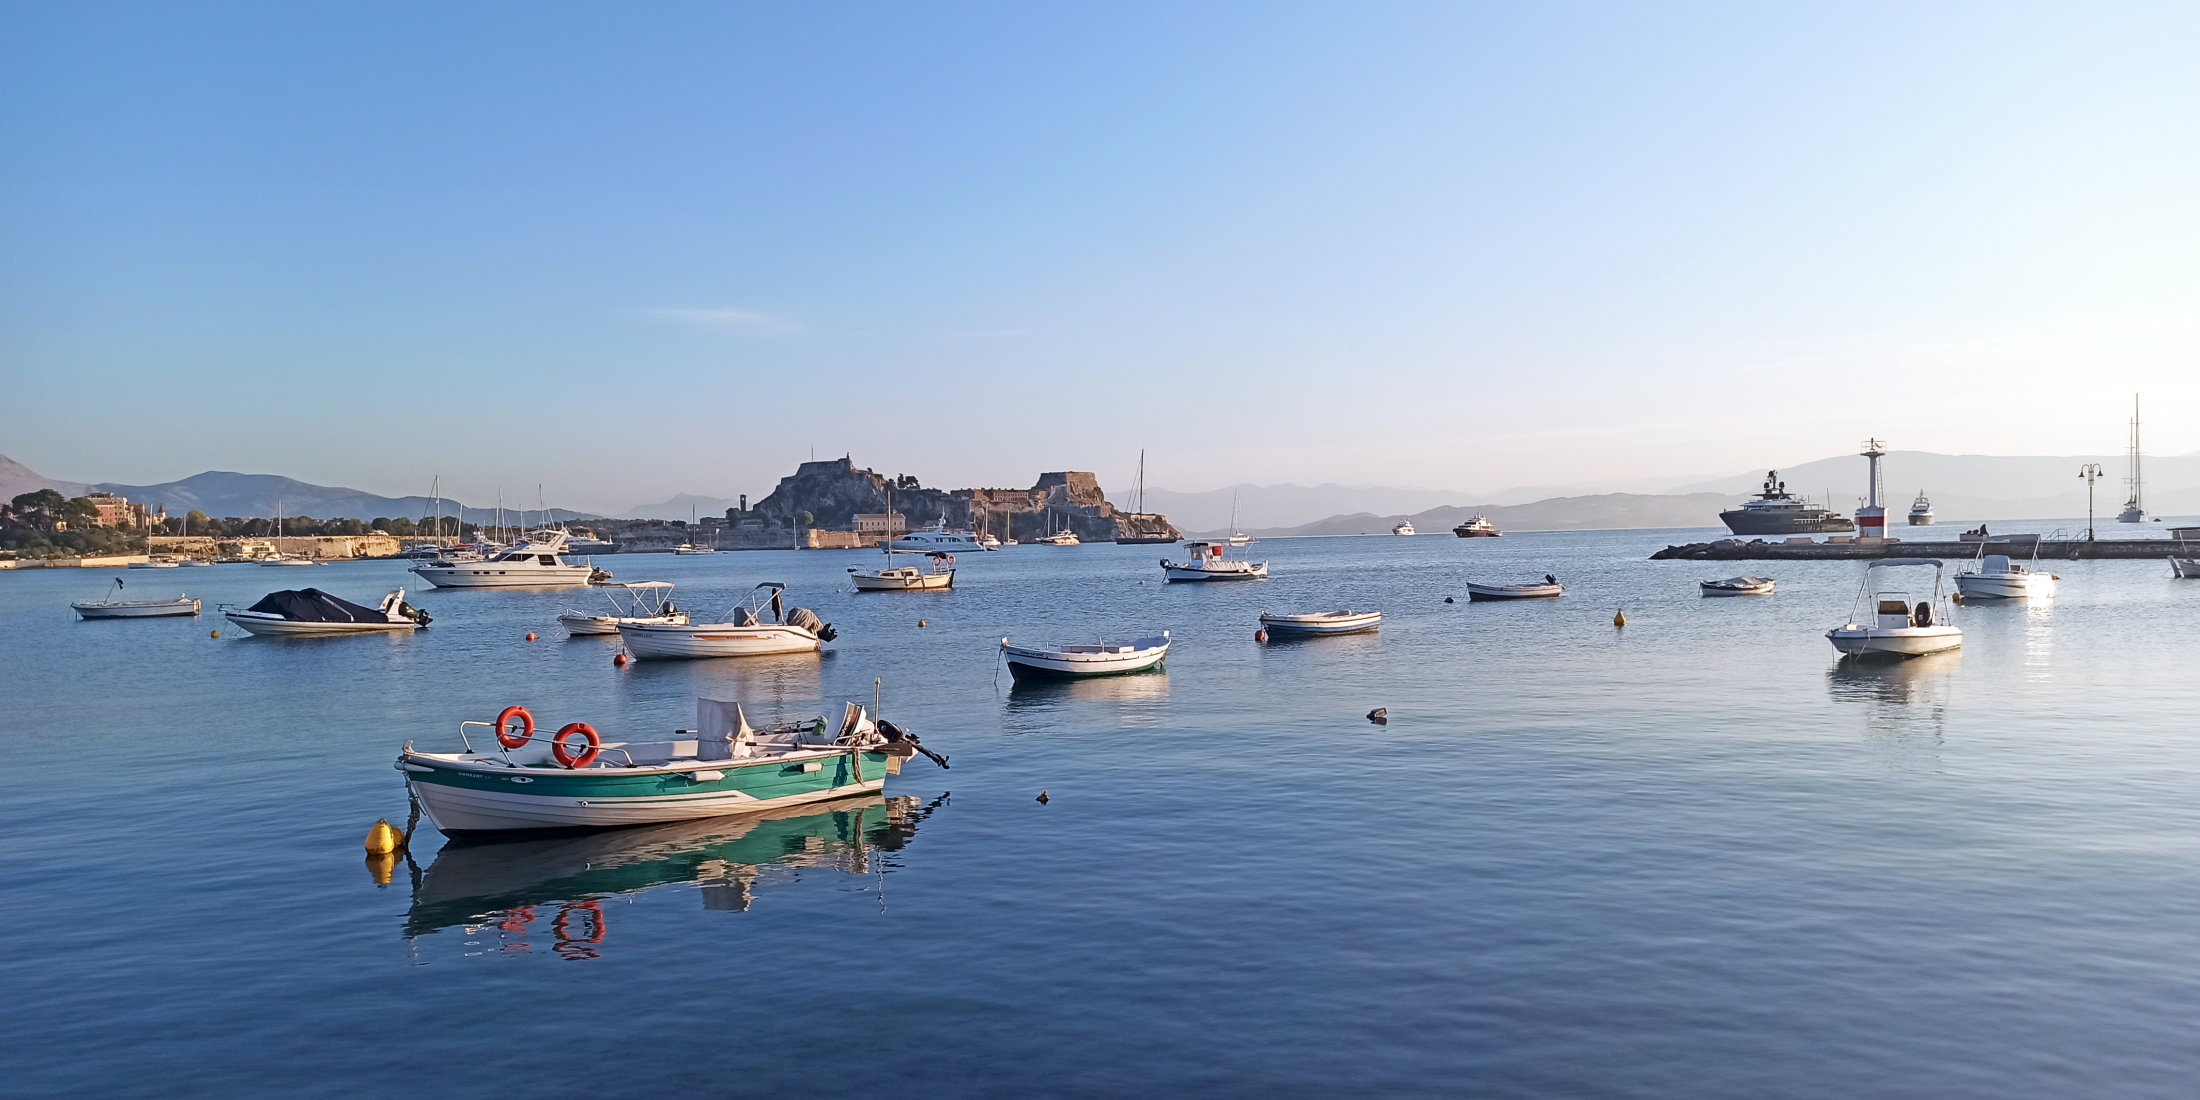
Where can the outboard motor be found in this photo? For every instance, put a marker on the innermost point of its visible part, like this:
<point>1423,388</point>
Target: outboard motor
<point>807,619</point>
<point>1923,616</point>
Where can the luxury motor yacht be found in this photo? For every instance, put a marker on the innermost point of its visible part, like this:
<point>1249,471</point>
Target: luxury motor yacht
<point>1921,511</point>
<point>1776,512</point>
<point>536,562</point>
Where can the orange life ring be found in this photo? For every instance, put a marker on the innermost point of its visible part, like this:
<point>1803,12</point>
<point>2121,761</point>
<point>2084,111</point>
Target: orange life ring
<point>526,727</point>
<point>595,745</point>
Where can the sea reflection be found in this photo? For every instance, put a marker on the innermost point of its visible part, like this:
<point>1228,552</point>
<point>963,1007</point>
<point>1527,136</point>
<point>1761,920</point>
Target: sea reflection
<point>517,896</point>
<point>777,678</point>
<point>1141,698</point>
<point>1904,699</point>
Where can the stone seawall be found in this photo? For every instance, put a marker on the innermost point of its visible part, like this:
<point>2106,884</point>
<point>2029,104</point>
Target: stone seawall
<point>1807,550</point>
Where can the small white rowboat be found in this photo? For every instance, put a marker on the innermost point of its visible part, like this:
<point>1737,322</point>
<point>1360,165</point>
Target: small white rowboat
<point>112,608</point>
<point>1739,586</point>
<point>1098,659</point>
<point>1321,622</point>
<point>1552,590</point>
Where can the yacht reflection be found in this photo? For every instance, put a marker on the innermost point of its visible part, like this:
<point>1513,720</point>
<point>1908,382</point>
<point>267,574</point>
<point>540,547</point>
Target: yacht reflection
<point>508,895</point>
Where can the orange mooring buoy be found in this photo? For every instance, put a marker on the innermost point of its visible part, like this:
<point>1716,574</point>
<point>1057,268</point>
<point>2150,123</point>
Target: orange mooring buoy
<point>530,635</point>
<point>618,660</point>
<point>1260,636</point>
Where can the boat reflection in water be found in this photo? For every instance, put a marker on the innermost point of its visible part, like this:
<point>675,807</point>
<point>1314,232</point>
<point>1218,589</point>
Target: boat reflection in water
<point>510,897</point>
<point>1907,701</point>
<point>1141,700</point>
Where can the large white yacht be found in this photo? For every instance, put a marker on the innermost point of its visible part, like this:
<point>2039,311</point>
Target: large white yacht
<point>536,562</point>
<point>1777,512</point>
<point>935,537</point>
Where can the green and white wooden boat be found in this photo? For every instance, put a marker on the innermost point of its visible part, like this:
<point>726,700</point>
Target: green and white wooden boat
<point>576,779</point>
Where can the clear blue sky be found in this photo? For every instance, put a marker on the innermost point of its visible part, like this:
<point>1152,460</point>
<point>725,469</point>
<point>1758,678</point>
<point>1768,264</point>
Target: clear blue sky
<point>628,250</point>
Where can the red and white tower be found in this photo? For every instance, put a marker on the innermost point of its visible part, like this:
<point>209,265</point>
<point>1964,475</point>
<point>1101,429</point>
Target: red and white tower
<point>1871,519</point>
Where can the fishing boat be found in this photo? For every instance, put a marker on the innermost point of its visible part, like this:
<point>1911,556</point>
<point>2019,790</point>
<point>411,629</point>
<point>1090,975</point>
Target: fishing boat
<point>534,562</point>
<point>1739,586</point>
<point>636,602</point>
<point>1102,658</point>
<point>1996,577</point>
<point>935,537</point>
<point>1321,622</point>
<point>1204,561</point>
<point>1921,511</point>
<point>1549,589</point>
<point>1404,528</point>
<point>520,780</point>
<point>1477,528</point>
<point>112,606</point>
<point>746,633</point>
<point>1896,628</point>
<point>934,571</point>
<point>310,612</point>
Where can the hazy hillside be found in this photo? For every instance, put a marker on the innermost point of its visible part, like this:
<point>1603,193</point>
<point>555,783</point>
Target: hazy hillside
<point>17,479</point>
<point>678,506</point>
<point>1607,511</point>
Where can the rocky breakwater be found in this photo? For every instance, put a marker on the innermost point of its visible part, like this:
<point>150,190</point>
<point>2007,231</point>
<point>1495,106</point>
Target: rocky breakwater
<point>1804,549</point>
<point>830,494</point>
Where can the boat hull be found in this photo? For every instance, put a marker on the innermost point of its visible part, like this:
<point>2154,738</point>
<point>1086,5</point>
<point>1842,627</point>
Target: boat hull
<point>922,582</point>
<point>1492,592</point>
<point>1911,641</point>
<point>1784,521</point>
<point>137,610</point>
<point>2004,586</point>
<point>1311,624</point>
<point>1727,588</point>
<point>486,574</point>
<point>716,640</point>
<point>462,799</point>
<point>593,625</point>
<point>1043,664</point>
<point>1258,572</point>
<point>277,627</point>
<point>2186,568</point>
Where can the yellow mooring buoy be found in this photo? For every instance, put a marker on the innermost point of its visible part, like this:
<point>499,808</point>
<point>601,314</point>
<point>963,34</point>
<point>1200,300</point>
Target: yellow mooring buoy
<point>384,838</point>
<point>1619,618</point>
<point>213,633</point>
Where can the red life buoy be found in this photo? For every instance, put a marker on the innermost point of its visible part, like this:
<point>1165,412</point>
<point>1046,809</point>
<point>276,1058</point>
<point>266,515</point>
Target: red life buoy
<point>558,749</point>
<point>526,727</point>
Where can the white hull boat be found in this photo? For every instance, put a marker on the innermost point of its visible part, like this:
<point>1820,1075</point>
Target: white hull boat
<point>1548,590</point>
<point>533,563</point>
<point>156,563</point>
<point>1203,561</point>
<point>939,576</point>
<point>1896,628</point>
<point>1097,659</point>
<point>746,634</point>
<point>937,538</point>
<point>1998,578</point>
<point>688,549</point>
<point>1059,538</point>
<point>2186,568</point>
<point>1739,586</point>
<point>1321,622</point>
<point>518,779</point>
<point>645,605</point>
<point>112,608</point>
<point>310,612</point>
<point>1477,528</point>
<point>1403,529</point>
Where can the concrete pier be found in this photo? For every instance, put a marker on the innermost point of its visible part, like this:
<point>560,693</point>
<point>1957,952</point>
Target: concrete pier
<point>1802,549</point>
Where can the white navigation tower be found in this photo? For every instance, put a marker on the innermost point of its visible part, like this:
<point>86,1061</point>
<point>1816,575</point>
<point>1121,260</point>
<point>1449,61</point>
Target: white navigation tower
<point>2134,509</point>
<point>1871,519</point>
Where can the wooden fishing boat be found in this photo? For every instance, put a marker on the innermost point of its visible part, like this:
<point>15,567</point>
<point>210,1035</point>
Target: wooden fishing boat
<point>1739,586</point>
<point>1321,622</point>
<point>1102,658</point>
<point>574,778</point>
<point>1549,589</point>
<point>1204,561</point>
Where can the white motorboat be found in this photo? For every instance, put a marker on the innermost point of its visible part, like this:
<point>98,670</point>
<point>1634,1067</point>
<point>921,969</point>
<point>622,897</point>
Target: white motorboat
<point>111,606</point>
<point>1921,511</point>
<point>1102,658</point>
<point>638,602</point>
<point>746,633</point>
<point>1321,622</point>
<point>533,563</point>
<point>575,778</point>
<point>1896,628</point>
<point>690,548</point>
<point>310,612</point>
<point>156,563</point>
<point>935,572</point>
<point>988,542</point>
<point>1479,527</point>
<point>1405,528</point>
<point>1995,577</point>
<point>936,537</point>
<point>1549,589</point>
<point>1739,586</point>
<point>1204,561</point>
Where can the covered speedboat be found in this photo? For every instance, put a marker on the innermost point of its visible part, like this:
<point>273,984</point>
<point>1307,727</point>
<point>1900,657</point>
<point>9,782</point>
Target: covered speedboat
<point>745,633</point>
<point>1321,622</point>
<point>309,611</point>
<point>518,779</point>
<point>1896,627</point>
<point>1101,658</point>
<point>1550,589</point>
<point>1739,586</point>
<point>1996,577</point>
<point>637,602</point>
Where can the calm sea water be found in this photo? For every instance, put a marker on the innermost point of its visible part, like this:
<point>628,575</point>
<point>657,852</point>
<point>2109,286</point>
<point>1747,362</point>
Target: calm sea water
<point>1690,857</point>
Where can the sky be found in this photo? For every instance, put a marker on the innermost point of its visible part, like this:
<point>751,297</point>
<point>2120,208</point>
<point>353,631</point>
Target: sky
<point>624,251</point>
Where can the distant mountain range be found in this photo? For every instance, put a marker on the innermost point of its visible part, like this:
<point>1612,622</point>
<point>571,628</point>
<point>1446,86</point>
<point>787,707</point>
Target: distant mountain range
<point>221,494</point>
<point>679,508</point>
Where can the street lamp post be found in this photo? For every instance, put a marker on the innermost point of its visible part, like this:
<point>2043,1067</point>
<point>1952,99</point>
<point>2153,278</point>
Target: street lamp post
<point>2091,472</point>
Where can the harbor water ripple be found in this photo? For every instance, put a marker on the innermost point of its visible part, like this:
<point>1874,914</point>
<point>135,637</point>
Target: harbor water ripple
<point>1693,856</point>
